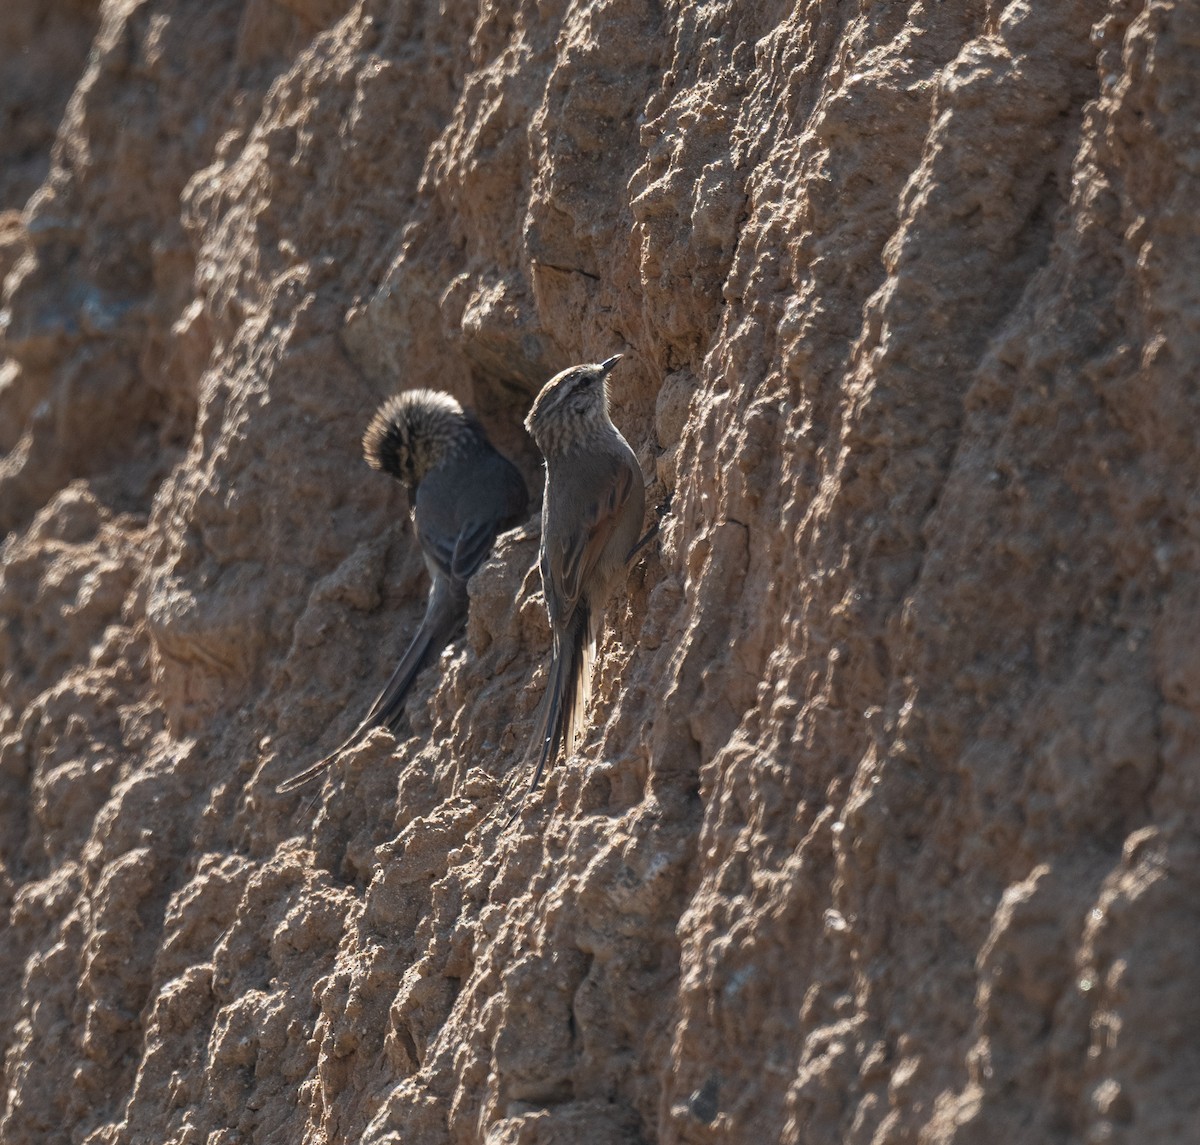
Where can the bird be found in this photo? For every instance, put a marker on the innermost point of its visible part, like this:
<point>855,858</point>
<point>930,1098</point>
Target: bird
<point>461,493</point>
<point>591,516</point>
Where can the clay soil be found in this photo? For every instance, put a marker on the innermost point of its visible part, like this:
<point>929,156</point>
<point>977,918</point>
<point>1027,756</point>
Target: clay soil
<point>884,828</point>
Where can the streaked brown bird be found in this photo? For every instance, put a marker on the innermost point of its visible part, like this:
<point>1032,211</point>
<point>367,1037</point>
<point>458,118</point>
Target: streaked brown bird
<point>591,515</point>
<point>462,493</point>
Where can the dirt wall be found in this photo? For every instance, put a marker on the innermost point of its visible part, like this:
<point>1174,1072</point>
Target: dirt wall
<point>884,831</point>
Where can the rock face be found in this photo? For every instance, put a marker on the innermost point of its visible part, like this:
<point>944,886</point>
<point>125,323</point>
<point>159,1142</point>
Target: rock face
<point>884,831</point>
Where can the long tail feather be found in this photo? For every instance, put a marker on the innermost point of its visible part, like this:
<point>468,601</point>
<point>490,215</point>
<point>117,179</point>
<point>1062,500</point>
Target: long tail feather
<point>302,778</point>
<point>566,690</point>
<point>444,614</point>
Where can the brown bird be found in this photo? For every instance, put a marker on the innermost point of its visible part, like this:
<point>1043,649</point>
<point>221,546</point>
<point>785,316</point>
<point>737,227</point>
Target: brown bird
<point>591,516</point>
<point>462,493</point>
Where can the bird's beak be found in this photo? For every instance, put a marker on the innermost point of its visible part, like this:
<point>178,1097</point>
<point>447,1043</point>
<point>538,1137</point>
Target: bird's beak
<point>608,363</point>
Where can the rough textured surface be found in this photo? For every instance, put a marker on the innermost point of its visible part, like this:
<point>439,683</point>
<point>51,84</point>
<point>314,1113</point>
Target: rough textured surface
<point>885,829</point>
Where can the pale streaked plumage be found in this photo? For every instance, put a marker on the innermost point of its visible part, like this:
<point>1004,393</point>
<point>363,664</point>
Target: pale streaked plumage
<point>591,516</point>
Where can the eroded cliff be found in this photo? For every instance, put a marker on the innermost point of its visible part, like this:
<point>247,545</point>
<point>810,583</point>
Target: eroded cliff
<point>885,828</point>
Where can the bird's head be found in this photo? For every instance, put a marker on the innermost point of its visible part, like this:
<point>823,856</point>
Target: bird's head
<point>570,404</point>
<point>414,431</point>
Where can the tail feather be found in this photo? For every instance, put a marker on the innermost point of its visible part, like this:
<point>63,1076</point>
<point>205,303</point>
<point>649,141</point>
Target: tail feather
<point>444,614</point>
<point>567,689</point>
<point>302,778</point>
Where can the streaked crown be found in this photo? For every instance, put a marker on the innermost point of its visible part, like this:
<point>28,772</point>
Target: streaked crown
<point>414,431</point>
<point>571,403</point>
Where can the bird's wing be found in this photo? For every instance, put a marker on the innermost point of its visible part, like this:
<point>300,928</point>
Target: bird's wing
<point>437,547</point>
<point>458,557</point>
<point>579,551</point>
<point>472,547</point>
